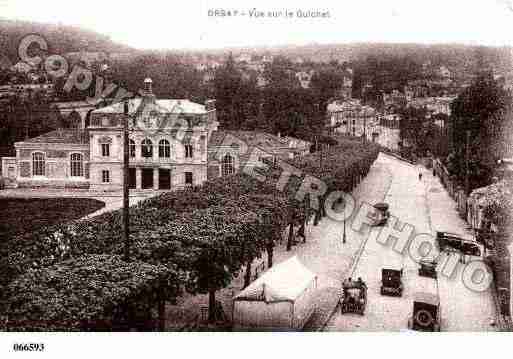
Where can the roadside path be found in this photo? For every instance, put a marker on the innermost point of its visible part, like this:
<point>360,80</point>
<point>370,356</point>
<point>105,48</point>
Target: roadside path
<point>427,207</point>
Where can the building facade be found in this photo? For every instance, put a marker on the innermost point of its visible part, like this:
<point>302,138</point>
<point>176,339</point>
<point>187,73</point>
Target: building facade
<point>387,131</point>
<point>172,145</point>
<point>434,105</point>
<point>352,118</point>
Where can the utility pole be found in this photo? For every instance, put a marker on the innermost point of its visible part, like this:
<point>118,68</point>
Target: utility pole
<point>344,235</point>
<point>467,167</point>
<point>320,158</point>
<point>28,119</point>
<point>364,129</point>
<point>126,201</point>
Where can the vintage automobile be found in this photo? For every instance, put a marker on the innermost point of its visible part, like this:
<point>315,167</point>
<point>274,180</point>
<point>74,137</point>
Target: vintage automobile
<point>381,214</point>
<point>391,282</point>
<point>354,298</point>
<point>428,268</point>
<point>426,312</point>
<point>447,241</point>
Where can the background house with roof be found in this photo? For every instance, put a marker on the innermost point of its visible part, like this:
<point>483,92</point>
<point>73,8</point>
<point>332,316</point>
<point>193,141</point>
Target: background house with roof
<point>231,151</point>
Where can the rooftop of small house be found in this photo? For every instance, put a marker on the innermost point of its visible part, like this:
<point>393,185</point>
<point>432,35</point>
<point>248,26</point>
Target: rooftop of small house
<point>63,136</point>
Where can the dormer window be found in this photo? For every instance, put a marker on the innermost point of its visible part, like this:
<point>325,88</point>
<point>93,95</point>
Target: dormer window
<point>147,148</point>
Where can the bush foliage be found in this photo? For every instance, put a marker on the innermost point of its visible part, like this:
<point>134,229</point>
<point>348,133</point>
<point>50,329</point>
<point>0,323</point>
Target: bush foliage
<point>198,239</point>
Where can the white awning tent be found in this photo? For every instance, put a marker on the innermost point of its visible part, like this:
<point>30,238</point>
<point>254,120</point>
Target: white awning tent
<point>281,299</point>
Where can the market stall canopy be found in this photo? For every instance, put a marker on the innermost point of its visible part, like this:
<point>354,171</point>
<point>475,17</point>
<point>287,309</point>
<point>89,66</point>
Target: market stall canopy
<point>283,282</point>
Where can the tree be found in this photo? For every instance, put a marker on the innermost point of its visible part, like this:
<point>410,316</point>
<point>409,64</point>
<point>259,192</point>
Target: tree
<point>414,126</point>
<point>483,109</point>
<point>227,88</point>
<point>223,240</point>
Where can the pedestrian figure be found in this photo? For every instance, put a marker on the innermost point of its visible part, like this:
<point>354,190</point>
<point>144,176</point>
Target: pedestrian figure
<point>420,176</point>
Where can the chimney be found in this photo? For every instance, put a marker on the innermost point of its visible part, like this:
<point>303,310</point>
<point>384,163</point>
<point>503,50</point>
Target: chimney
<point>148,85</point>
<point>147,93</point>
<point>210,105</point>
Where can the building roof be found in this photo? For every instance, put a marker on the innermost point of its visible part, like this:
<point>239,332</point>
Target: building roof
<point>73,105</point>
<point>351,105</point>
<point>64,136</point>
<point>262,140</point>
<point>175,106</point>
<point>283,282</point>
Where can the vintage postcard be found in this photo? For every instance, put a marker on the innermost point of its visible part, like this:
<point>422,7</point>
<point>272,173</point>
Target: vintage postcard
<point>236,166</point>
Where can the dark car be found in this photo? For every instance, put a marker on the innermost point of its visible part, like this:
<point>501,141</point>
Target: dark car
<point>428,269</point>
<point>391,282</point>
<point>426,313</point>
<point>448,240</point>
<point>354,296</point>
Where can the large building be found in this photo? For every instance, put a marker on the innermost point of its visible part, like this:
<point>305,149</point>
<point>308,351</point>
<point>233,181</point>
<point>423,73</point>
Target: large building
<point>434,105</point>
<point>387,131</point>
<point>171,146</point>
<point>351,117</point>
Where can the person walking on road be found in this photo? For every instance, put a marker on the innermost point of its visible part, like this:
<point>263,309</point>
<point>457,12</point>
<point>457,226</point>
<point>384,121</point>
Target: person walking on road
<point>420,176</point>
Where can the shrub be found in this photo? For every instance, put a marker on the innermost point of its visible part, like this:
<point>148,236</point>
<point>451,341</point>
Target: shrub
<point>84,294</point>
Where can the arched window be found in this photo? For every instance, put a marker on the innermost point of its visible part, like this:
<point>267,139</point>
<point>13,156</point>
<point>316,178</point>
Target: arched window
<point>77,165</point>
<point>147,148</point>
<point>38,164</point>
<point>188,150</point>
<point>227,168</point>
<point>164,149</point>
<point>131,148</point>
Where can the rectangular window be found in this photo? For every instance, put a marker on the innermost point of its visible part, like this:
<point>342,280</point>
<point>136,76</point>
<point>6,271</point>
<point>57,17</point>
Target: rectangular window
<point>105,176</point>
<point>105,149</point>
<point>38,164</point>
<point>188,178</point>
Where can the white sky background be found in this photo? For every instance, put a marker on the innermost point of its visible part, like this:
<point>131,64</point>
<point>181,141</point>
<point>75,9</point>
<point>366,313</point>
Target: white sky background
<point>159,24</point>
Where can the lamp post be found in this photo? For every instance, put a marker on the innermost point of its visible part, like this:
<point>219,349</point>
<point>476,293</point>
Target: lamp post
<point>344,236</point>
<point>126,201</point>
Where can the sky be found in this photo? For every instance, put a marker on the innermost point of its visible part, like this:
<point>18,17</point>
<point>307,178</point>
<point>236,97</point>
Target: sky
<point>171,24</point>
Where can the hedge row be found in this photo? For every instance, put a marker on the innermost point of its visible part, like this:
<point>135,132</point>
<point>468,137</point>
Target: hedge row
<point>83,293</point>
<point>201,238</point>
